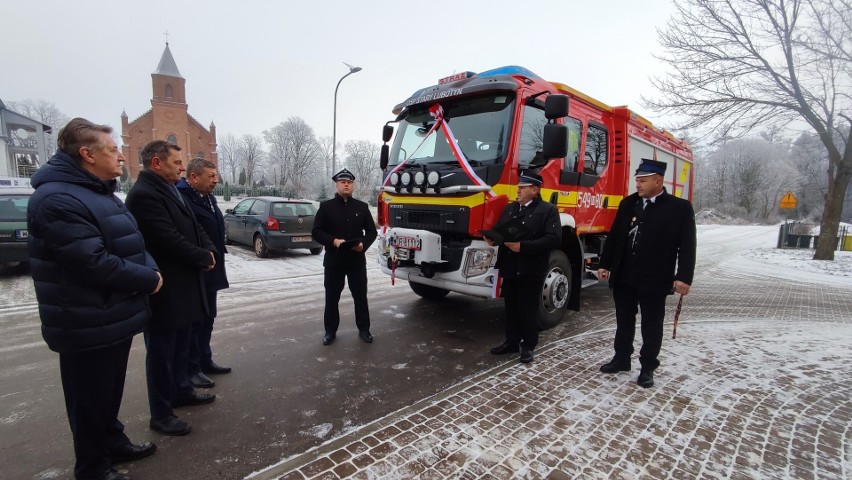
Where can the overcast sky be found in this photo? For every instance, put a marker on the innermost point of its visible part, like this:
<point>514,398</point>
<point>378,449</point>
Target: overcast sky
<point>251,64</point>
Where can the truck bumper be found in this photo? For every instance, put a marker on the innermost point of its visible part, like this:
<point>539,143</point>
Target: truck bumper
<point>476,276</point>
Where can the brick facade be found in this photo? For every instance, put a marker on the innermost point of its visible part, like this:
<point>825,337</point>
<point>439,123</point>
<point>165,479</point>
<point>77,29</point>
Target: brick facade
<point>168,119</point>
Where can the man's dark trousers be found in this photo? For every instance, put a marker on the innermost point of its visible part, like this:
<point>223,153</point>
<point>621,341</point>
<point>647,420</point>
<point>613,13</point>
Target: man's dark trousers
<point>166,364</point>
<point>93,382</point>
<point>200,353</point>
<point>628,302</point>
<point>521,297</point>
<point>333,282</point>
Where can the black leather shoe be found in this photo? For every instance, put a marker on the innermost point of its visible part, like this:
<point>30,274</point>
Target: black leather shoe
<point>199,380</point>
<point>365,336</point>
<point>194,399</point>
<point>505,348</point>
<point>170,426</point>
<point>214,369</point>
<point>131,452</point>
<point>646,378</point>
<point>616,365</point>
<point>328,338</point>
<point>111,474</point>
<point>526,356</point>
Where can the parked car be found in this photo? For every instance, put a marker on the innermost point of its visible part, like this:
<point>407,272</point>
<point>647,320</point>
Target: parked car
<point>272,223</point>
<point>13,225</point>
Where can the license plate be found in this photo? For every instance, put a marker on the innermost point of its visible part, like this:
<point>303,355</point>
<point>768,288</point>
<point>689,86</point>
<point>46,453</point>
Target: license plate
<point>22,233</point>
<point>410,243</point>
<point>302,239</point>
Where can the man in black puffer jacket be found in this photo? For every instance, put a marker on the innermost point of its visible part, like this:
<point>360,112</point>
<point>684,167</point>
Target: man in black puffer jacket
<point>92,279</point>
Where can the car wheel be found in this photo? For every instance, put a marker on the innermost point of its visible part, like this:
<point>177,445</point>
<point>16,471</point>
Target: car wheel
<point>260,248</point>
<point>316,251</point>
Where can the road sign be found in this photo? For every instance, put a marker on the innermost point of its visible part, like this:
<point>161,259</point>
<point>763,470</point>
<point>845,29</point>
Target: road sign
<point>788,201</point>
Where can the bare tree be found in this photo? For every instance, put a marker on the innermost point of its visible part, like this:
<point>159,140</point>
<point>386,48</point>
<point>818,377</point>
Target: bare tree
<point>738,64</point>
<point>362,159</point>
<point>294,151</point>
<point>251,156</point>
<point>229,159</point>
<point>325,151</point>
<point>46,113</point>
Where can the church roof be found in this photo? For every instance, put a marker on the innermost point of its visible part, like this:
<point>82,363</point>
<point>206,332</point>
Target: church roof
<point>167,64</point>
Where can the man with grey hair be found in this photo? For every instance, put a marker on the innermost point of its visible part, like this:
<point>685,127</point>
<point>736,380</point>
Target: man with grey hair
<point>92,278</point>
<point>184,252</point>
<point>197,189</point>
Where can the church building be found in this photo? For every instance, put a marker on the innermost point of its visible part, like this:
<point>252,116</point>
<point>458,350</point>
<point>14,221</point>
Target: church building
<point>168,119</point>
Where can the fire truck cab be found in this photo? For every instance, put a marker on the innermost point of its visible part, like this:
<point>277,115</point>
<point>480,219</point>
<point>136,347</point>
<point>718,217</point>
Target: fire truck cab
<point>453,166</point>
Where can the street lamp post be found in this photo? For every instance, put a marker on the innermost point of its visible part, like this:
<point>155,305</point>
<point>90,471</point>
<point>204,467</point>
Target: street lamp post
<point>334,128</point>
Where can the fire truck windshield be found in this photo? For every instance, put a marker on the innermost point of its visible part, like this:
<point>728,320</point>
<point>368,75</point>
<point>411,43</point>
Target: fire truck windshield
<point>480,125</point>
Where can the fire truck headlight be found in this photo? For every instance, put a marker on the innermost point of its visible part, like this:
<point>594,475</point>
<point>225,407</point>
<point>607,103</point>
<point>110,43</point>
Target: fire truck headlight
<point>394,179</point>
<point>405,179</point>
<point>477,261</point>
<point>419,177</point>
<point>434,178</point>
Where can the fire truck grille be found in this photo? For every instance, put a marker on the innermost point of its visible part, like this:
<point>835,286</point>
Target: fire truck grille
<point>434,219</point>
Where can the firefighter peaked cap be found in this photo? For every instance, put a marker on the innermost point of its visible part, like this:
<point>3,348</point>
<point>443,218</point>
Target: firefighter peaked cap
<point>650,167</point>
<point>343,175</point>
<point>529,179</point>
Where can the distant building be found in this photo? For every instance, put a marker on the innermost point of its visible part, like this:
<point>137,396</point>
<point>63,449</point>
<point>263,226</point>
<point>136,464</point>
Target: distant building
<point>23,146</point>
<point>168,119</point>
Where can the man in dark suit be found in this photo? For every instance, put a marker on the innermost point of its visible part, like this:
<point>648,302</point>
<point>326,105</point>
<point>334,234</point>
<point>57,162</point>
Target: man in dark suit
<point>524,263</point>
<point>183,252</point>
<point>345,226</point>
<point>197,189</point>
<point>648,255</point>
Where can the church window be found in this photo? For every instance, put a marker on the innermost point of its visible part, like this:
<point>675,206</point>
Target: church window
<point>199,155</point>
<point>169,91</point>
<point>172,139</point>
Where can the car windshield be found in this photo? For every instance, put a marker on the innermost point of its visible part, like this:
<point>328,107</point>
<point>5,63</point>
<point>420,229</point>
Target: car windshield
<point>282,209</point>
<point>480,125</point>
<point>13,208</point>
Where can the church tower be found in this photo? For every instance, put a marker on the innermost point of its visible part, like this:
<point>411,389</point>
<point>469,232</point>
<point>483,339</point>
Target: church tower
<point>168,119</point>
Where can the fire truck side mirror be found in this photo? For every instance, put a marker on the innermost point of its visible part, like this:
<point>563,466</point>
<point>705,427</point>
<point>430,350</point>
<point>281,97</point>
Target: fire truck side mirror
<point>555,141</point>
<point>556,106</point>
<point>387,133</point>
<point>384,156</point>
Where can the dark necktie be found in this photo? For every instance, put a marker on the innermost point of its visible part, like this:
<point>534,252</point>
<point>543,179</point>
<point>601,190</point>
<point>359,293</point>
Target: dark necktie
<point>178,195</point>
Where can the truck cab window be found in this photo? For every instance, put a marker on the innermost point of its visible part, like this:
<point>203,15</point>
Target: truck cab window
<point>572,158</point>
<point>595,158</point>
<point>532,136</point>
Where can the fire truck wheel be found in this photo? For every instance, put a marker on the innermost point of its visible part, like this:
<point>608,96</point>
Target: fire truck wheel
<point>260,248</point>
<point>555,291</point>
<point>427,291</point>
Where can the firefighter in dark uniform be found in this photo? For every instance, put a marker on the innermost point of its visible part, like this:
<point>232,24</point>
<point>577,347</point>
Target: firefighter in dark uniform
<point>346,228</point>
<point>648,255</point>
<point>524,263</point>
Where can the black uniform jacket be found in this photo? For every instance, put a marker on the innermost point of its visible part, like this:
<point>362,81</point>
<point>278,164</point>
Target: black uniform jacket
<point>664,240</point>
<point>180,247</point>
<point>545,234</point>
<point>349,219</point>
<point>210,218</point>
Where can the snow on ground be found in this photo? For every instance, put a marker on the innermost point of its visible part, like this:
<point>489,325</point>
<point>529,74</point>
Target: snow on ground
<point>802,260</point>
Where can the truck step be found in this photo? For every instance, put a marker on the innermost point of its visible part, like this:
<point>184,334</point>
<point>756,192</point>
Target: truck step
<point>588,282</point>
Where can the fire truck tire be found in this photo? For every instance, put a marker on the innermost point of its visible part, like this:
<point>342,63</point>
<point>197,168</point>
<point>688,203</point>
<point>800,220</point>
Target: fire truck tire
<point>555,291</point>
<point>427,291</point>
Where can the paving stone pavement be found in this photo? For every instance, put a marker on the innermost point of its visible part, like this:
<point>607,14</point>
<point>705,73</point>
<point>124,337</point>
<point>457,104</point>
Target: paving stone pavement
<point>758,384</point>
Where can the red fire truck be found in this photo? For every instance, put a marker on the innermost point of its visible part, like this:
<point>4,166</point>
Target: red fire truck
<point>453,166</point>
